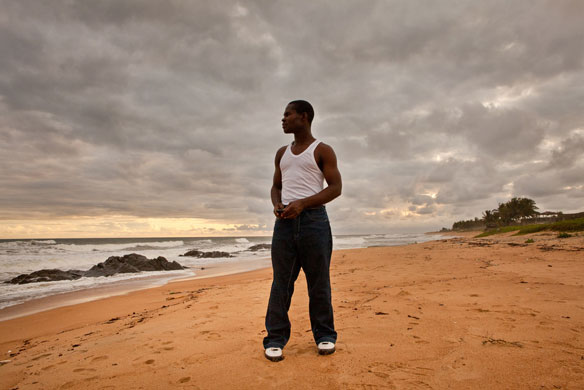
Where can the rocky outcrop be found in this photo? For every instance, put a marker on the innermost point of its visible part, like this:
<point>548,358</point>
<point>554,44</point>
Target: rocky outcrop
<point>46,275</point>
<point>200,254</point>
<point>259,247</point>
<point>131,263</point>
<point>114,265</point>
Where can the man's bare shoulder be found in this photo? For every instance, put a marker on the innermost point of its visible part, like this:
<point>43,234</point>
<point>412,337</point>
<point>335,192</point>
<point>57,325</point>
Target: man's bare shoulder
<point>323,146</point>
<point>324,150</point>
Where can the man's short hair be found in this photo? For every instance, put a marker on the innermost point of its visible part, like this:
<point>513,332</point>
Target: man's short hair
<point>302,106</point>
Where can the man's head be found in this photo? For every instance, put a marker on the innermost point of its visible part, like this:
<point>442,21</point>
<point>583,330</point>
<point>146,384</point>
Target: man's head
<point>301,107</point>
<point>297,116</point>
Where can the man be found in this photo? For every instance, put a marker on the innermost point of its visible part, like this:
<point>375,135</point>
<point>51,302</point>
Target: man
<point>302,235</point>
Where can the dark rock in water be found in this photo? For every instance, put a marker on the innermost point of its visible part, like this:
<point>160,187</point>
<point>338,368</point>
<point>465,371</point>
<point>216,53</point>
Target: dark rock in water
<point>114,265</point>
<point>259,247</point>
<point>200,254</point>
<point>131,263</point>
<point>46,275</point>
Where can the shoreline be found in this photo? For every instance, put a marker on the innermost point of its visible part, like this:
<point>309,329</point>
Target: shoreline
<point>457,313</point>
<point>124,287</point>
<point>145,281</point>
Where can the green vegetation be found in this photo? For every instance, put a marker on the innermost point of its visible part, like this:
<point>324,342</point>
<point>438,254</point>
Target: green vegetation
<point>505,229</point>
<point>572,225</point>
<point>527,229</point>
<point>521,215</point>
<point>529,241</point>
<point>471,224</point>
<point>513,211</point>
<point>564,235</point>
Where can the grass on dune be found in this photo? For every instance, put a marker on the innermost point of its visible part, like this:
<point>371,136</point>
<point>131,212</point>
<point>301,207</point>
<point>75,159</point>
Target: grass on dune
<point>572,225</point>
<point>504,229</point>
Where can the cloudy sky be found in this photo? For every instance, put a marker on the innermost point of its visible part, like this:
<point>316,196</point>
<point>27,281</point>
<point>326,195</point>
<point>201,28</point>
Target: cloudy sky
<point>162,118</point>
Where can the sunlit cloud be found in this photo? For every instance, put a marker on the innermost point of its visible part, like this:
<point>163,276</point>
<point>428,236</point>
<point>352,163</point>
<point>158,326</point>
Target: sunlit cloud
<point>123,226</point>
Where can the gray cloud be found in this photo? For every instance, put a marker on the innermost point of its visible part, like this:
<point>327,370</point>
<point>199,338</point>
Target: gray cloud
<point>145,109</point>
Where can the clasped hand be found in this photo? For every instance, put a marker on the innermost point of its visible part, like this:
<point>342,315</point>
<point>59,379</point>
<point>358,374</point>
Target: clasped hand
<point>291,211</point>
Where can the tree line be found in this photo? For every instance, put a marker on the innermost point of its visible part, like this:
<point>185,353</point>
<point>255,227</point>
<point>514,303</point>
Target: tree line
<point>513,212</point>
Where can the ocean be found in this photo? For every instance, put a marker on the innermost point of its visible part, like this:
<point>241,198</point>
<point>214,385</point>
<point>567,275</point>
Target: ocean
<point>26,256</point>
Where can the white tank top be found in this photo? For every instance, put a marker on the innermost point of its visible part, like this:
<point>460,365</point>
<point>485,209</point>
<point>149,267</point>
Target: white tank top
<point>301,176</point>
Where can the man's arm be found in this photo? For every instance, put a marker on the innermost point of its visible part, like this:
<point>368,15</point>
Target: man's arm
<point>327,161</point>
<point>276,191</point>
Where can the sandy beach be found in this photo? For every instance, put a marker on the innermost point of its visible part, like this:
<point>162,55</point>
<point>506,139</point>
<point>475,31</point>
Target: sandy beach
<point>462,313</point>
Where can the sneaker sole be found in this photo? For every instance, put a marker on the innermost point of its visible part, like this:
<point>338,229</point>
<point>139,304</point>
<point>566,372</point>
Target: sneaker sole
<point>274,358</point>
<point>326,351</point>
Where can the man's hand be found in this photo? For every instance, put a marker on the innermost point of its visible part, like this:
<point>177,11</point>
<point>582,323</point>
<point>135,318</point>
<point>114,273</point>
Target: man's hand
<point>278,209</point>
<point>293,209</point>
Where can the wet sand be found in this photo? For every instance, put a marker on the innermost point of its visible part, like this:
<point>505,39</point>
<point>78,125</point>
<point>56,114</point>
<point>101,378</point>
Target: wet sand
<point>463,313</point>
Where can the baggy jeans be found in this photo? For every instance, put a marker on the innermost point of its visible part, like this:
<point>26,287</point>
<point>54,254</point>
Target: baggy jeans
<point>304,242</point>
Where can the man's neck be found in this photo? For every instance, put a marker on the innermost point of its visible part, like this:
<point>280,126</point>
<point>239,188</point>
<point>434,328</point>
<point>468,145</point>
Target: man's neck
<point>303,138</point>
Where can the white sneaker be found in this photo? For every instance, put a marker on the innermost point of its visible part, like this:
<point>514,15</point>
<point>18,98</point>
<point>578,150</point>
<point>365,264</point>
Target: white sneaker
<point>326,348</point>
<point>273,354</point>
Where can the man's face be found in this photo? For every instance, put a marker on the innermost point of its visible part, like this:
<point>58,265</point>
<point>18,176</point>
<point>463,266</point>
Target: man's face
<point>292,121</point>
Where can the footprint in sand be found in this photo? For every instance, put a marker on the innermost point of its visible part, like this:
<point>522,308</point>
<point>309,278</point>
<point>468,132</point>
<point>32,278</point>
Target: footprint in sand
<point>184,380</point>
<point>210,335</point>
<point>214,336</point>
<point>149,361</point>
<point>365,386</point>
<point>379,369</point>
<point>41,356</point>
<point>84,369</point>
<point>99,358</point>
